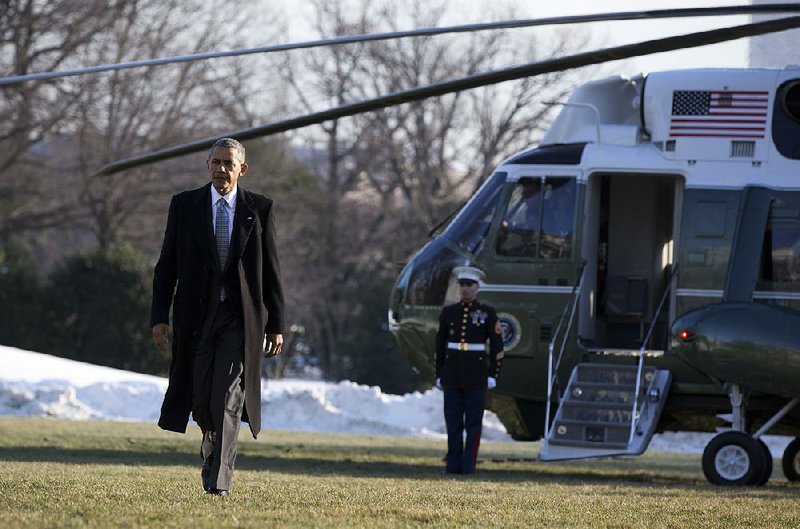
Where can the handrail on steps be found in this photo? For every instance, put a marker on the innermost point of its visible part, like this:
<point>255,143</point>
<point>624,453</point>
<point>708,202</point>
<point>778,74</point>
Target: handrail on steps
<point>551,369</point>
<point>635,411</point>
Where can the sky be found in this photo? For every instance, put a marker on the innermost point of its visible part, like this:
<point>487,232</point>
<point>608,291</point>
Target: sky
<point>732,54</point>
<point>38,385</point>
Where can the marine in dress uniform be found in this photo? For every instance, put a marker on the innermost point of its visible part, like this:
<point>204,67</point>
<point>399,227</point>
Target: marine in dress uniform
<point>466,368</point>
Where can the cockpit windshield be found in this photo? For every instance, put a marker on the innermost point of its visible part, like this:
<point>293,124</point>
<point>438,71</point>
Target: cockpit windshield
<point>539,219</point>
<point>558,218</point>
<point>470,227</point>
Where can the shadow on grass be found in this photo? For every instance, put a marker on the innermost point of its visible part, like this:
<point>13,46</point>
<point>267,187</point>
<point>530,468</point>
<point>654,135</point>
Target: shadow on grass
<point>362,467</point>
<point>295,464</point>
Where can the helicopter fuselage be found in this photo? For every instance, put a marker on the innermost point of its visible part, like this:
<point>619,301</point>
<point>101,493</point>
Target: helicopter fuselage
<point>695,170</point>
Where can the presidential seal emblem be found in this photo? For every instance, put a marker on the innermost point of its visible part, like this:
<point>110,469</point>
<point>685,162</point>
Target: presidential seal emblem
<point>511,330</point>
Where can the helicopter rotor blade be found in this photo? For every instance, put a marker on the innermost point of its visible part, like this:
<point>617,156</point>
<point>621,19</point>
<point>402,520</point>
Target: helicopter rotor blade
<point>371,37</point>
<point>627,51</point>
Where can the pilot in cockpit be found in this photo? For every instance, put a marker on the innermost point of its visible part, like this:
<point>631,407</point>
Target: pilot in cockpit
<point>523,211</point>
<point>520,225</point>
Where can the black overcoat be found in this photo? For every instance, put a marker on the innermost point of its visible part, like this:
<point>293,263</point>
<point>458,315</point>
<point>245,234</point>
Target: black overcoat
<point>182,279</point>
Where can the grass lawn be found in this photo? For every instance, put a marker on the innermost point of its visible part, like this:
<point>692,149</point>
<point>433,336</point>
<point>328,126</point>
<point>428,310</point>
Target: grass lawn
<point>56,473</point>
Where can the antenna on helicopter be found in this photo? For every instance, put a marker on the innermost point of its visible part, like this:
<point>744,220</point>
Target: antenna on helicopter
<point>586,106</point>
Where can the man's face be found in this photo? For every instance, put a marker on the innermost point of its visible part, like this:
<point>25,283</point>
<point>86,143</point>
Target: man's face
<point>530,189</point>
<point>468,290</point>
<point>224,168</point>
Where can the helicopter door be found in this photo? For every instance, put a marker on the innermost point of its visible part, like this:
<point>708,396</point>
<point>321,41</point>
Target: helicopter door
<point>628,248</point>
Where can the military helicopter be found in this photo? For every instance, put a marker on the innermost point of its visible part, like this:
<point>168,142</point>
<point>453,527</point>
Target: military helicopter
<point>643,257</point>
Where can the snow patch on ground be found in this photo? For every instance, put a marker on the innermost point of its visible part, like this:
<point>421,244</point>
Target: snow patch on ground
<point>35,384</point>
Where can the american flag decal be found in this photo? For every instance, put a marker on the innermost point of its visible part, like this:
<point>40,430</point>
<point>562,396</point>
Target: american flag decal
<point>718,114</point>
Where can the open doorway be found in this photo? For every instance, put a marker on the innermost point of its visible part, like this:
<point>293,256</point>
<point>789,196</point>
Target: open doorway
<point>630,234</point>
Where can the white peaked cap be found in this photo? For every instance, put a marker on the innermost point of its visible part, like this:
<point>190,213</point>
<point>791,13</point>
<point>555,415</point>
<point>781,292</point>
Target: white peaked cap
<point>470,273</point>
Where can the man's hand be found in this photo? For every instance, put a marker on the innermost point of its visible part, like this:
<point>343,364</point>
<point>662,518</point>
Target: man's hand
<point>273,343</point>
<point>161,336</point>
<point>491,382</point>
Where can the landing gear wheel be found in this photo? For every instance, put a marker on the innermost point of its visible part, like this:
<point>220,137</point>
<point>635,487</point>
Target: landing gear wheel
<point>791,460</point>
<point>733,458</point>
<point>767,464</point>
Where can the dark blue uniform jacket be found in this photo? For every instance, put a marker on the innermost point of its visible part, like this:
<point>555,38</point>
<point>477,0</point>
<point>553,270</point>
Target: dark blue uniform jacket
<point>465,326</point>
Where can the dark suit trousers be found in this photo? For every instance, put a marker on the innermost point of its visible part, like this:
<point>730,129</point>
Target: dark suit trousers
<point>217,393</point>
<point>463,410</point>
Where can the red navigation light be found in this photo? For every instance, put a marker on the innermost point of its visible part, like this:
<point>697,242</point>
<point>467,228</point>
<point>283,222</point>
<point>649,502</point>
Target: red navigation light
<point>686,335</point>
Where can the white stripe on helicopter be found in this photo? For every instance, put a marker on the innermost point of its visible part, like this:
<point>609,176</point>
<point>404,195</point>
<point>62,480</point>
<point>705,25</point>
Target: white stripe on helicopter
<point>536,289</point>
<point>759,294</point>
<point>684,292</point>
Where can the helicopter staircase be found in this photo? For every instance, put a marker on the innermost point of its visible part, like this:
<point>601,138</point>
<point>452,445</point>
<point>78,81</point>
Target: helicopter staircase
<point>606,410</point>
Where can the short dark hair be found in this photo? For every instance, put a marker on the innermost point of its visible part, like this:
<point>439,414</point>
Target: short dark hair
<point>229,143</point>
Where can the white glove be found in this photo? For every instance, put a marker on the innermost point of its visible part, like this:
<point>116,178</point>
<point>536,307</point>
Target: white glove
<point>491,382</point>
<point>439,383</point>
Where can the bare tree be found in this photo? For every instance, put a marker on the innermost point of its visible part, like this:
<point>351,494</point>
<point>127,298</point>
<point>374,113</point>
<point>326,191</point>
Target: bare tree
<point>438,152</point>
<point>90,120</point>
<point>362,193</point>
<point>387,177</point>
<point>40,36</point>
<point>337,74</point>
<point>136,111</point>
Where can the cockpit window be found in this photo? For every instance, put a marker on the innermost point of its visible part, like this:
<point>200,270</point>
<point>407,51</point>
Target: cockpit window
<point>558,219</point>
<point>539,219</point>
<point>519,229</point>
<point>470,227</point>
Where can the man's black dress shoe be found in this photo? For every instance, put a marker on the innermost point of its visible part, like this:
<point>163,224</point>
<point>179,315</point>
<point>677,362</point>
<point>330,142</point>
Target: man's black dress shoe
<point>217,492</point>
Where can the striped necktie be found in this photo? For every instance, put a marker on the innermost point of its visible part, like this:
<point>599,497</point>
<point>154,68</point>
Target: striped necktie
<point>221,228</point>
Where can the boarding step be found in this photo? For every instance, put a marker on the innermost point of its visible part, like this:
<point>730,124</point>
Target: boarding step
<point>596,415</point>
<point>617,375</point>
<point>595,349</point>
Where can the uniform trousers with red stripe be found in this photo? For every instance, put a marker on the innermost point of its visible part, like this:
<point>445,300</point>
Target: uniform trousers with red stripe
<point>463,410</point>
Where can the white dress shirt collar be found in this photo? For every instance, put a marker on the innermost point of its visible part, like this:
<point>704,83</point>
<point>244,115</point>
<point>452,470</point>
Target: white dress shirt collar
<point>230,197</point>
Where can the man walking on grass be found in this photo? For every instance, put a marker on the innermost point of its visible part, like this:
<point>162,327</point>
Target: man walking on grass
<point>219,272</point>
